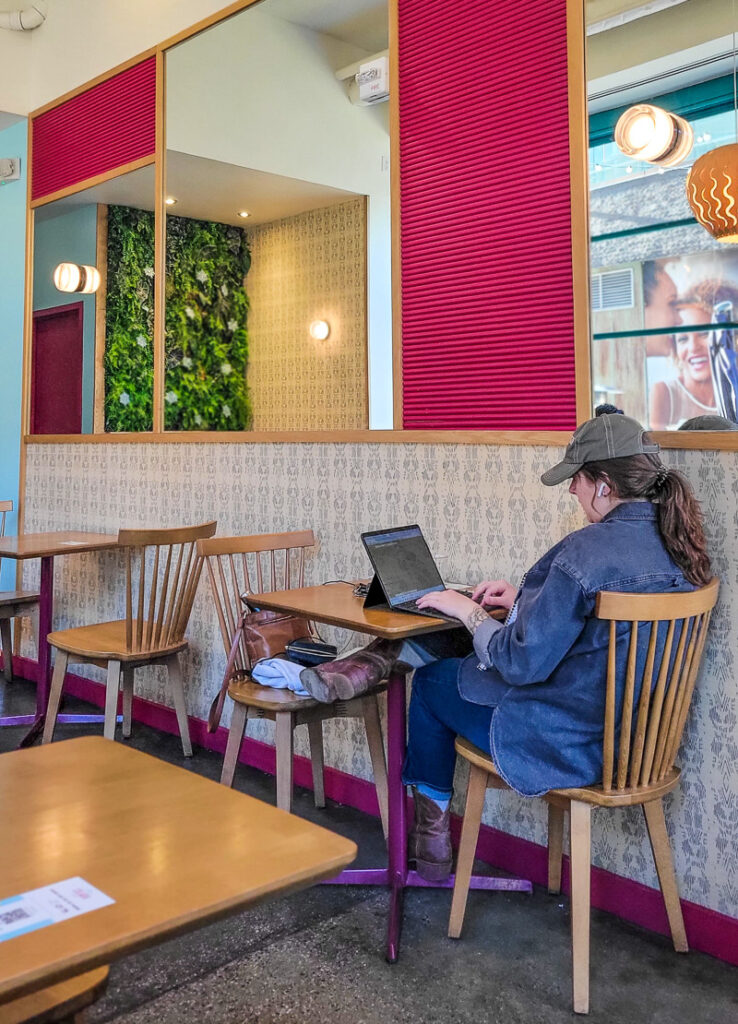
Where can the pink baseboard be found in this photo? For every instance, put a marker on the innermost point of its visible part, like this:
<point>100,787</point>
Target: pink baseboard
<point>708,931</point>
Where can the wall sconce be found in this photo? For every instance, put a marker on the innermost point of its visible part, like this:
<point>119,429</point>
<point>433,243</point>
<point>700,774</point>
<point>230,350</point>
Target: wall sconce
<point>320,329</point>
<point>712,192</point>
<point>73,277</point>
<point>170,201</point>
<point>645,132</point>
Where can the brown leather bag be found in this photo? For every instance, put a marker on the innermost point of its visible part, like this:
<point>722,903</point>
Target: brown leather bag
<point>265,634</point>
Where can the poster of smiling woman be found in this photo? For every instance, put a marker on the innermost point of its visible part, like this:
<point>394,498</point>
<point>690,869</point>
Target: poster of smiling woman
<point>665,352</point>
<point>689,369</point>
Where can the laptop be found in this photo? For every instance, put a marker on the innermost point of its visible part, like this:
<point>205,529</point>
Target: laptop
<point>404,570</point>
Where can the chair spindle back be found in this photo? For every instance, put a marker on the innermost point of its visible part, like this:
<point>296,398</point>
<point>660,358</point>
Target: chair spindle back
<point>160,589</point>
<point>250,565</point>
<point>645,750</point>
<point>5,507</point>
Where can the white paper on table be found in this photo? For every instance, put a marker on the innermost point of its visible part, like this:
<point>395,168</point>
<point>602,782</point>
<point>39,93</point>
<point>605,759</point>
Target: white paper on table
<point>50,904</point>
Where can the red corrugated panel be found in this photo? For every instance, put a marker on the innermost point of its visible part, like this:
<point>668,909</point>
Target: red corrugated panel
<point>487,306</point>
<point>110,124</point>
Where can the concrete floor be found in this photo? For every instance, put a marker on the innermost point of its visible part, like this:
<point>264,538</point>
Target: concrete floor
<point>318,955</point>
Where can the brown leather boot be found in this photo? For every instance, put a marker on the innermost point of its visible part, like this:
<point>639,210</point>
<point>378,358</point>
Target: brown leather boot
<point>349,677</point>
<point>430,839</point>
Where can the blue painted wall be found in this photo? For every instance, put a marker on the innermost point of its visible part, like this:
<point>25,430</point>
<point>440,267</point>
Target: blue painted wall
<point>12,256</point>
<point>70,237</point>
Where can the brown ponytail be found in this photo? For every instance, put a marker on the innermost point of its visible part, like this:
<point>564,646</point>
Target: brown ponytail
<point>680,515</point>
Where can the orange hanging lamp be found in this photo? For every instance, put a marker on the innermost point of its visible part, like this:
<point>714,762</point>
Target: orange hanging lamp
<point>712,183</point>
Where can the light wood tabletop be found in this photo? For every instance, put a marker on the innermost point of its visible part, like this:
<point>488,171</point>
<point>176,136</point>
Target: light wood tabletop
<point>61,542</point>
<point>336,605</point>
<point>174,850</point>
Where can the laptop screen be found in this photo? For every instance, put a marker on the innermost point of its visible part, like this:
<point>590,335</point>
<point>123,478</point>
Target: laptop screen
<point>403,563</point>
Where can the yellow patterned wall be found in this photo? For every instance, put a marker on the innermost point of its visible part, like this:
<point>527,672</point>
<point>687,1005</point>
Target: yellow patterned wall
<point>308,267</point>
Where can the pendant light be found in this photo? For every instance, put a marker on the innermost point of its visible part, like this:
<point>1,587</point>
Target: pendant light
<point>646,132</point>
<point>73,277</point>
<point>712,184</point>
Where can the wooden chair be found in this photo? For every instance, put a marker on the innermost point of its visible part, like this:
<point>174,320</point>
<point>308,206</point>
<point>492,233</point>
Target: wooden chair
<point>13,603</point>
<point>640,743</point>
<point>235,566</point>
<point>63,1002</point>
<point>162,595</point>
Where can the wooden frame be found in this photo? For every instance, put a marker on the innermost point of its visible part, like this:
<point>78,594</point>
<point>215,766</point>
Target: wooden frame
<point>580,270</point>
<point>580,273</point>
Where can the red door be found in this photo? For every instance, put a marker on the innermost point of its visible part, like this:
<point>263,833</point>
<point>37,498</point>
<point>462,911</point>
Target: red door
<point>56,377</point>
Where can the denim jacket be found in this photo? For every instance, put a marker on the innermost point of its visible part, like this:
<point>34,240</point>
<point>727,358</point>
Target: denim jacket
<point>545,670</point>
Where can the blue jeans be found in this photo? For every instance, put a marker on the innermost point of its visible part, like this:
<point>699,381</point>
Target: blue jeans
<point>438,714</point>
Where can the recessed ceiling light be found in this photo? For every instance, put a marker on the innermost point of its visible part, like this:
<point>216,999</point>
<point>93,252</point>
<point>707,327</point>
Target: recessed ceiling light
<point>244,214</point>
<point>170,200</point>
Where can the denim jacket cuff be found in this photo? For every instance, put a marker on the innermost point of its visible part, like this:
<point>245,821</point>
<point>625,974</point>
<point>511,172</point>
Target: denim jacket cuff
<point>482,636</point>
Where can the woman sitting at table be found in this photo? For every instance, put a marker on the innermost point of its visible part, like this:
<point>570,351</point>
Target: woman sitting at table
<point>532,693</point>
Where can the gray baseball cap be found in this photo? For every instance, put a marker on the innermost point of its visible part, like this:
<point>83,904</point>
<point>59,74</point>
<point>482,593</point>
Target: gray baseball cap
<point>610,436</point>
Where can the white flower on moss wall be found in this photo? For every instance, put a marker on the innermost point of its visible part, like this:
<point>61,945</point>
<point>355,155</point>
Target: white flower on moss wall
<point>141,341</point>
<point>149,271</point>
<point>232,325</point>
<point>224,290</point>
<point>125,398</point>
<point>189,312</point>
<point>225,369</point>
<point>226,410</point>
<point>187,362</point>
<point>201,276</point>
<point>171,397</point>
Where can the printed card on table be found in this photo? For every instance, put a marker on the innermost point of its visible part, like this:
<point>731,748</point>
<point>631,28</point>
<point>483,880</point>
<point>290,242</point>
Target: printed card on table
<point>48,905</point>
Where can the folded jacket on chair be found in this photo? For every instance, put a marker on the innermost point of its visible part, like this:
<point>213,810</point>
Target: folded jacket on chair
<point>280,674</point>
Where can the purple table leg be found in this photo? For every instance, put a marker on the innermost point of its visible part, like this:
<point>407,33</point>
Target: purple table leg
<point>397,801</point>
<point>43,677</point>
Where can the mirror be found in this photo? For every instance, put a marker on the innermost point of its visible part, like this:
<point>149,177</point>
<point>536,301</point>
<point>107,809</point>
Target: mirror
<point>92,353</point>
<point>664,292</point>
<point>278,292</point>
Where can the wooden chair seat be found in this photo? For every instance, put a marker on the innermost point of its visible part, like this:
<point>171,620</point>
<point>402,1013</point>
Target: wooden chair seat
<point>107,640</point>
<point>267,698</point>
<point>588,794</point>
<point>643,724</point>
<point>162,573</point>
<point>59,1002</point>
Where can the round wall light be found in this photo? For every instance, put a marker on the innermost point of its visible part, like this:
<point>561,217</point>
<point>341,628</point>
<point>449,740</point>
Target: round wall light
<point>243,214</point>
<point>645,132</point>
<point>320,329</point>
<point>170,200</point>
<point>712,191</point>
<point>74,277</point>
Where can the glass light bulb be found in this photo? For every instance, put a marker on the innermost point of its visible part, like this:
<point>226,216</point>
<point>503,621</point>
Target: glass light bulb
<point>319,330</point>
<point>67,277</point>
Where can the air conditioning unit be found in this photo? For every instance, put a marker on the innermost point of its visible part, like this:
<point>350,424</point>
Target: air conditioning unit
<point>373,81</point>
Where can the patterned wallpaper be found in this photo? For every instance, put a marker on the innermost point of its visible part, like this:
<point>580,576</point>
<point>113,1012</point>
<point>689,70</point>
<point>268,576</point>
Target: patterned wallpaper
<point>484,512</point>
<point>304,268</point>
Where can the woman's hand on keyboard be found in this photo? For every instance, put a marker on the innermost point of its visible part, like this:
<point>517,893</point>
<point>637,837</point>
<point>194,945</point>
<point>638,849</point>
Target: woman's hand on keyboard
<point>450,602</point>
<point>495,594</point>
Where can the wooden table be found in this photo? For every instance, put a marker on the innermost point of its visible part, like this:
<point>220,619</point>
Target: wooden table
<point>336,605</point>
<point>47,546</point>
<point>174,850</point>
